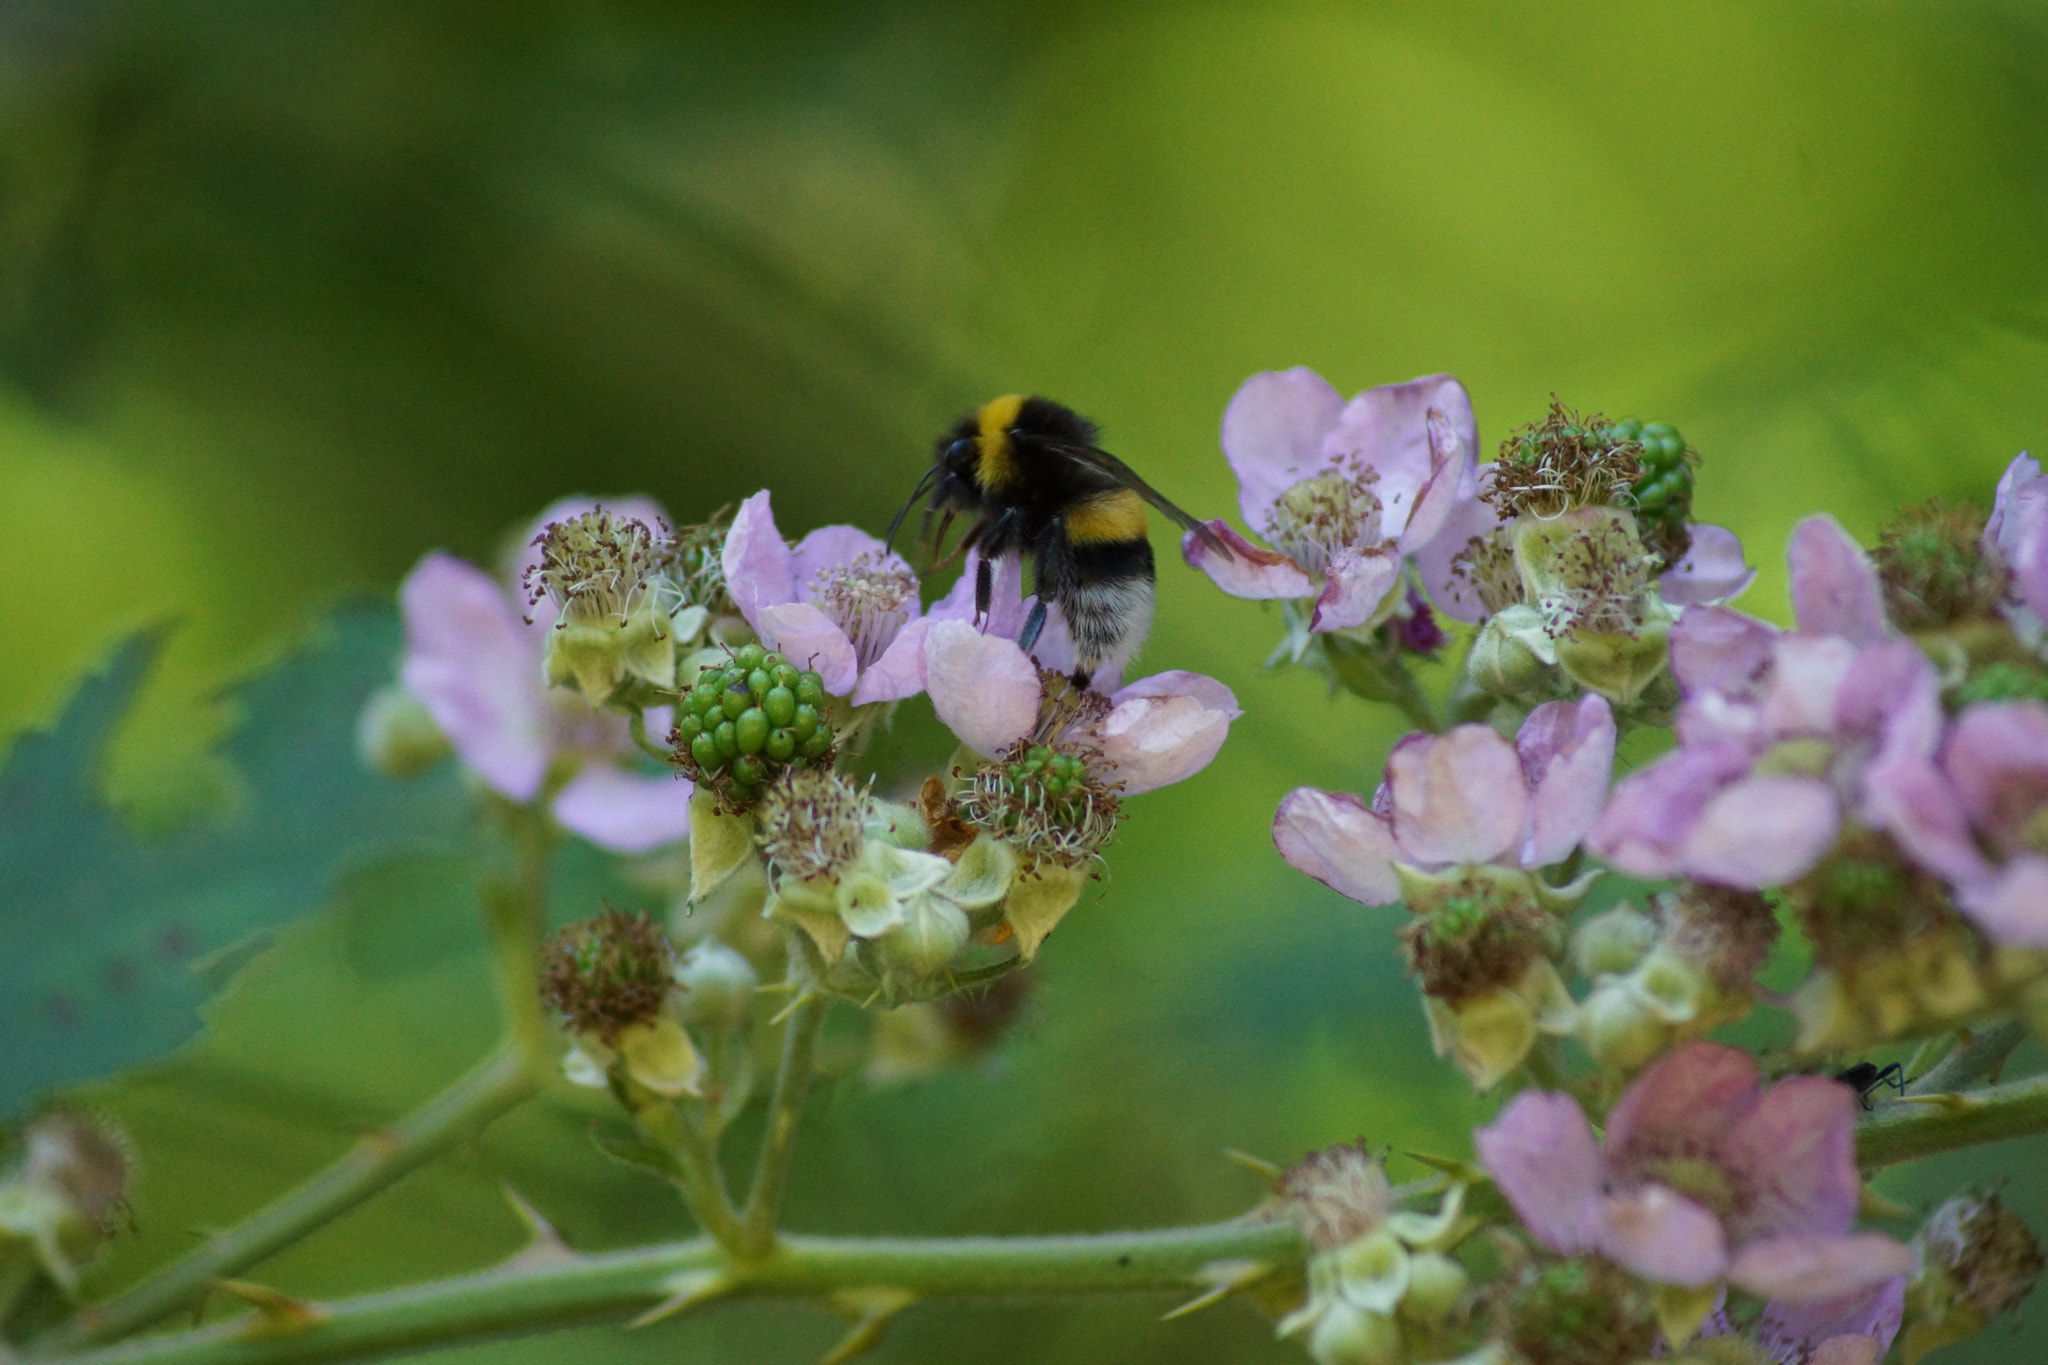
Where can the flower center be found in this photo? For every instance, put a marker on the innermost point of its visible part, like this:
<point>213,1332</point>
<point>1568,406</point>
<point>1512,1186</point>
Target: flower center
<point>595,567</point>
<point>1319,516</point>
<point>869,598</point>
<point>813,823</point>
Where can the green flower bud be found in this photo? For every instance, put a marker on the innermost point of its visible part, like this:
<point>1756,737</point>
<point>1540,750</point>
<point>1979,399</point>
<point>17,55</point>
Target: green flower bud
<point>395,734</point>
<point>1436,1286</point>
<point>1978,1260</point>
<point>1507,658</point>
<point>1612,941</point>
<point>1618,1030</point>
<point>718,987</point>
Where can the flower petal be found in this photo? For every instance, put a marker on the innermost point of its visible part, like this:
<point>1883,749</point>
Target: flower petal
<point>1332,837</point>
<point>1541,1154</point>
<point>1834,584</point>
<point>982,687</point>
<point>1684,1101</point>
<point>809,638</point>
<point>622,811</point>
<point>1386,430</point>
<point>899,673</point>
<point>1762,831</point>
<point>1458,797</point>
<point>1716,649</point>
<point>1567,756</point>
<point>1249,571</point>
<point>1811,1269</point>
<point>1870,1317</point>
<point>1997,761</point>
<point>1664,1236</point>
<point>757,562</point>
<point>2013,909</point>
<point>1359,581</point>
<point>1796,1150</point>
<point>1911,799</point>
<point>1155,735</point>
<point>830,546</point>
<point>1273,435</point>
<point>473,665</point>
<point>1451,436</point>
<point>1450,592</point>
<point>1653,810</point>
<point>1711,571</point>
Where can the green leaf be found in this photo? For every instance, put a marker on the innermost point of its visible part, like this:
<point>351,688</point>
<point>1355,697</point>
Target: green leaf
<point>115,936</point>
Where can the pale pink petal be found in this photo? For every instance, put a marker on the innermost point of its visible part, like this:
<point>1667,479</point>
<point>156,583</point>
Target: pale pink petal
<point>1686,1099</point>
<point>809,638</point>
<point>1664,1236</point>
<point>1179,682</point>
<point>1796,1151</point>
<point>2020,474</point>
<point>1893,694</point>
<point>2012,909</point>
<point>1909,798</point>
<point>622,811</point>
<point>899,673</point>
<point>1810,1269</point>
<point>1273,435</point>
<point>1717,649</point>
<point>1834,584</point>
<point>1458,797</point>
<point>982,687</point>
<point>1541,1155</point>
<point>1846,1351</point>
<point>1332,837</point>
<point>1450,592</point>
<point>757,562</point>
<point>1997,760</point>
<point>1711,571</point>
<point>1855,1329</point>
<point>1359,582</point>
<point>1653,810</point>
<point>1450,471</point>
<point>1156,740</point>
<point>1248,571</point>
<point>1567,755</point>
<point>2022,519</point>
<point>830,546</point>
<point>1762,831</point>
<point>472,664</point>
<point>1386,429</point>
<point>1804,691</point>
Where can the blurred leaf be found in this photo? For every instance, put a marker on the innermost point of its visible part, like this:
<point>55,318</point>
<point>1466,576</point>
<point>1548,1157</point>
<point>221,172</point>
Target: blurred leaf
<point>116,936</point>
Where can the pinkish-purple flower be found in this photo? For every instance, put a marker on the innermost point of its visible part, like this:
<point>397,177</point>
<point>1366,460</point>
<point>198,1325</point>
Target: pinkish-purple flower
<point>474,661</point>
<point>1465,796</point>
<point>1704,1175</point>
<point>1341,491</point>
<point>836,602</point>
<point>1780,734</point>
<point>2017,533</point>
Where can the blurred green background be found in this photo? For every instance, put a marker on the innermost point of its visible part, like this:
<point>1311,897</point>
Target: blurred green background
<point>292,293</point>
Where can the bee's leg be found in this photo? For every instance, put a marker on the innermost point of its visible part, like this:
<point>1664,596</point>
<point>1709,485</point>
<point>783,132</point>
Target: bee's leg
<point>984,590</point>
<point>939,540</point>
<point>1033,623</point>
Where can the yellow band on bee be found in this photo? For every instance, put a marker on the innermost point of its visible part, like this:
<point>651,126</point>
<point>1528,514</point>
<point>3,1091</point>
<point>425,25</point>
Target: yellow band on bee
<point>996,468</point>
<point>1118,516</point>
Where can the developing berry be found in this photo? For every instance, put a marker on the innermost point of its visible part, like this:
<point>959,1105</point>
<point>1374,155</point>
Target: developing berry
<point>747,719</point>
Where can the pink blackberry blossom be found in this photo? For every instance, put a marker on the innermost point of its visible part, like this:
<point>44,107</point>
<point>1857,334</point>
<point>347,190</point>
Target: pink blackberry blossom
<point>2018,534</point>
<point>1705,1175</point>
<point>1987,794</point>
<point>1465,796</point>
<point>1340,491</point>
<point>1854,1329</point>
<point>835,602</point>
<point>475,664</point>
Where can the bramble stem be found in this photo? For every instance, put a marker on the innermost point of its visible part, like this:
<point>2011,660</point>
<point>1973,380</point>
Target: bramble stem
<point>582,1289</point>
<point>1972,1061</point>
<point>513,915</point>
<point>694,1164</point>
<point>785,1107</point>
<point>1908,1130</point>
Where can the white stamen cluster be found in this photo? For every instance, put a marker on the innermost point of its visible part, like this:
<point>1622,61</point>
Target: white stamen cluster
<point>1605,575</point>
<point>813,823</point>
<point>869,598</point>
<point>1320,516</point>
<point>597,566</point>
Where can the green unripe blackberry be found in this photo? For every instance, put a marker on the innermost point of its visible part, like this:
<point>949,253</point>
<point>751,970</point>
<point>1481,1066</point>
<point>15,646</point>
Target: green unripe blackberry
<point>758,682</point>
<point>751,730</point>
<point>727,737</point>
<point>735,699</point>
<point>689,726</point>
<point>805,721</point>
<point>816,745</point>
<point>749,771</point>
<point>745,720</point>
<point>747,658</point>
<point>780,704</point>
<point>781,746</point>
<point>809,689</point>
<point>783,675</point>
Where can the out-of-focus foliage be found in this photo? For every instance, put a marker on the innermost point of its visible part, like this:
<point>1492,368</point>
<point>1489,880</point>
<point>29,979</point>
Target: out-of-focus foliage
<point>291,293</point>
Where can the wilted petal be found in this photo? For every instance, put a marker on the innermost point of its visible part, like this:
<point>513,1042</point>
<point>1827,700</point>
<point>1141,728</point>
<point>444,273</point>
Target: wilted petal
<point>1165,728</point>
<point>1248,571</point>
<point>1540,1153</point>
<point>1711,571</point>
<point>1834,584</point>
<point>1762,831</point>
<point>1652,811</point>
<point>1449,591</point>
<point>2013,908</point>
<point>1687,1099</point>
<point>809,638</point>
<point>1664,1236</point>
<point>622,811</point>
<point>1796,1148</point>
<point>1813,1269</point>
<point>1273,435</point>
<point>1359,581</point>
<point>1855,1329</point>
<point>982,687</point>
<point>1567,755</point>
<point>472,664</point>
<point>1332,837</point>
<point>757,562</point>
<point>1458,797</point>
<point>1717,649</point>
<point>1451,437</point>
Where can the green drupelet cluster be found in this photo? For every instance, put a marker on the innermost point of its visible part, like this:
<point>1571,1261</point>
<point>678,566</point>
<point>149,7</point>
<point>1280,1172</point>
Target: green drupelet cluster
<point>744,722</point>
<point>1662,493</point>
<point>1057,780</point>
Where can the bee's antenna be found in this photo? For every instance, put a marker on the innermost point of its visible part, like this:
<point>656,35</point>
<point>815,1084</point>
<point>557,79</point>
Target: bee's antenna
<point>896,522</point>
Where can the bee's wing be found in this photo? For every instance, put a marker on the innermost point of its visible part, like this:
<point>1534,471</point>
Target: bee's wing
<point>1106,463</point>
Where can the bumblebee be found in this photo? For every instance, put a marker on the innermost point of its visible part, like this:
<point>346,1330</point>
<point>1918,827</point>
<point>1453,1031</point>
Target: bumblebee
<point>1031,475</point>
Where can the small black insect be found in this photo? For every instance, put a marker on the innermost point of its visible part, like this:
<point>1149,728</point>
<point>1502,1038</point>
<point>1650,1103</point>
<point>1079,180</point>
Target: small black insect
<point>1867,1078</point>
